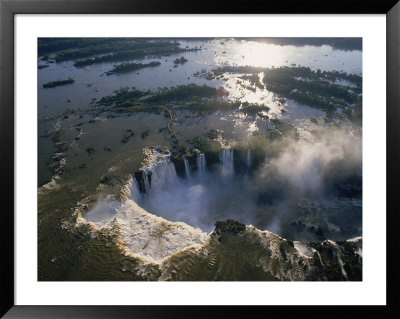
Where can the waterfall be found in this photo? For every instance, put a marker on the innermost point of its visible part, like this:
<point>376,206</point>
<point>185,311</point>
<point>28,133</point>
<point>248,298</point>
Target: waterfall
<point>226,159</point>
<point>131,190</point>
<point>201,163</point>
<point>146,181</point>
<point>135,191</point>
<point>187,169</point>
<point>163,174</point>
<point>266,157</point>
<point>158,173</point>
<point>248,158</point>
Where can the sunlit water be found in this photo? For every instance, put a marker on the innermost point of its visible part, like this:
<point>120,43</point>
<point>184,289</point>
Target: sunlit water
<point>91,82</point>
<point>198,199</point>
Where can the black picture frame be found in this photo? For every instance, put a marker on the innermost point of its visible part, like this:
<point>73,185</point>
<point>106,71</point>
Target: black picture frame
<point>8,8</point>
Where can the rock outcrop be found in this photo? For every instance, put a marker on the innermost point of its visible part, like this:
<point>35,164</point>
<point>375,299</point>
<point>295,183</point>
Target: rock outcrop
<point>238,252</point>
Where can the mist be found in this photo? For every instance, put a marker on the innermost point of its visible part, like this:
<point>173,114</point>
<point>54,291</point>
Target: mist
<point>204,198</point>
<point>310,190</point>
<point>310,167</point>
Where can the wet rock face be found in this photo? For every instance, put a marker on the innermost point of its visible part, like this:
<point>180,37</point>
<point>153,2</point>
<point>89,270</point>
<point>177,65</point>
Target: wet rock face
<point>179,163</point>
<point>229,226</point>
<point>140,175</point>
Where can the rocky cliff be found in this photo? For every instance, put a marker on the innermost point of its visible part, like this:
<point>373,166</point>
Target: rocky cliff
<point>238,252</point>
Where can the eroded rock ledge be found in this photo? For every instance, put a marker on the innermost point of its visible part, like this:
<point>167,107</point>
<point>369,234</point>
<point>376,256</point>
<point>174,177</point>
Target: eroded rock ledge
<point>238,252</point>
<point>162,250</point>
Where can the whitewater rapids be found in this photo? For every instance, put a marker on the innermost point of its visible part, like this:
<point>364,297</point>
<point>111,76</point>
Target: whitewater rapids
<point>142,234</point>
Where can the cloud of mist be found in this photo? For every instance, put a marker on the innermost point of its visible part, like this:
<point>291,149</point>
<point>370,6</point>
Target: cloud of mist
<point>301,186</point>
<point>293,194</point>
<point>203,199</point>
<point>310,167</point>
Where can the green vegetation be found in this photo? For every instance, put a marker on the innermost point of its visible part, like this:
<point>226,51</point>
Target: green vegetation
<point>49,45</point>
<point>166,50</point>
<point>229,226</point>
<point>218,73</point>
<point>189,97</point>
<point>145,133</point>
<point>210,148</point>
<point>248,87</point>
<point>281,74</point>
<point>319,89</point>
<point>182,92</point>
<point>254,80</point>
<point>254,109</point>
<point>313,88</point>
<point>175,139</point>
<point>205,145</point>
<point>204,74</point>
<point>123,97</point>
<point>150,100</point>
<point>90,150</point>
<point>357,113</point>
<point>88,51</point>
<point>212,134</point>
<point>127,136</point>
<point>325,90</point>
<point>129,67</point>
<point>56,137</point>
<point>62,147</point>
<point>108,47</point>
<point>210,106</point>
<point>181,60</point>
<point>283,129</point>
<point>58,83</point>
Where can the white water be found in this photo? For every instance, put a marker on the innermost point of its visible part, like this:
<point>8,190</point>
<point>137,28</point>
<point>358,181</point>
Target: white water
<point>248,161</point>
<point>201,199</point>
<point>201,163</point>
<point>146,183</point>
<point>143,234</point>
<point>187,169</point>
<point>226,160</point>
<point>132,190</point>
<point>162,170</point>
<point>136,196</point>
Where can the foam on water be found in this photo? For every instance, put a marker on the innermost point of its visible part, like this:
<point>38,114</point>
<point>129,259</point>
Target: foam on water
<point>248,159</point>
<point>143,234</point>
<point>201,163</point>
<point>132,191</point>
<point>160,169</point>
<point>187,169</point>
<point>226,160</point>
